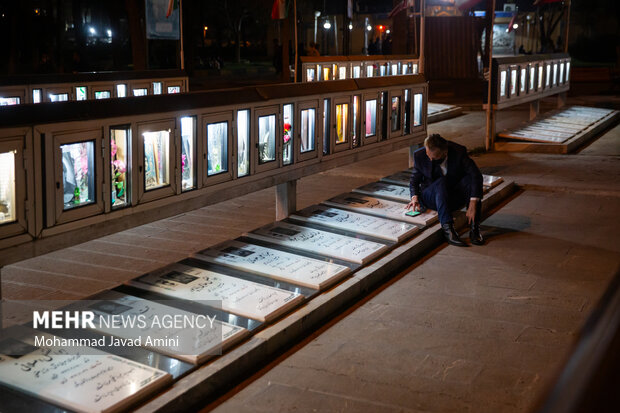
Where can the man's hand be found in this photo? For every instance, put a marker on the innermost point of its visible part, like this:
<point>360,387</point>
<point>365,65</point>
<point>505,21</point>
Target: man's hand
<point>413,204</point>
<point>471,211</point>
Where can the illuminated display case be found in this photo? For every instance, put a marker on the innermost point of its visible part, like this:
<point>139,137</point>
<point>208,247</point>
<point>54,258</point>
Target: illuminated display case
<point>370,118</point>
<point>355,121</point>
<point>120,166</point>
<point>74,175</point>
<point>218,130</point>
<point>310,75</point>
<point>156,160</point>
<point>327,126</point>
<point>58,96</point>
<point>141,91</point>
<point>81,93</point>
<point>308,115</point>
<point>288,134</point>
<point>356,71</point>
<point>561,78</point>
<point>547,75</point>
<point>522,80</point>
<point>157,88</point>
<point>418,109</point>
<point>395,117</point>
<point>532,78</point>
<point>121,90</point>
<point>102,94</point>
<point>541,74</point>
<point>513,81</point>
<point>407,112</point>
<point>266,125</point>
<point>342,124</point>
<point>502,83</point>
<point>12,96</point>
<point>555,74</point>
<point>174,89</point>
<point>188,153</point>
<point>243,142</point>
<point>16,187</point>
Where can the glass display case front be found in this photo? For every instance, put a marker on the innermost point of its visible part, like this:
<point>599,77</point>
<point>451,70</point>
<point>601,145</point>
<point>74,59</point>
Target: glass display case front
<point>121,90</point>
<point>417,109</point>
<point>370,69</point>
<point>355,126</point>
<point>561,78</point>
<point>513,82</point>
<point>567,70</point>
<point>119,166</point>
<point>326,125</point>
<point>217,148</point>
<point>327,73</point>
<point>357,72</point>
<point>395,114</point>
<point>7,187</point>
<point>523,80</point>
<point>555,74</point>
<point>156,159</point>
<point>532,78</point>
<point>174,89</point>
<point>36,95</point>
<point>342,73</point>
<point>540,76</point>
<point>371,118</point>
<point>548,76</point>
<point>243,142</point>
<point>502,83</point>
<point>78,174</point>
<point>407,112</point>
<point>140,92</point>
<point>10,101</point>
<point>266,139</point>
<point>310,77</point>
<point>58,97</point>
<point>157,88</point>
<point>415,69</point>
<point>287,134</point>
<point>394,71</point>
<point>308,130</point>
<point>342,123</point>
<point>81,93</point>
<point>102,94</point>
<point>188,153</point>
<point>405,68</point>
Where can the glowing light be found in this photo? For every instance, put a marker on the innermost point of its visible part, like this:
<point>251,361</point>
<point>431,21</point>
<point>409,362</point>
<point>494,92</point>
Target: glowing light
<point>515,26</point>
<point>109,32</point>
<point>388,31</point>
<point>350,26</point>
<point>369,27</point>
<point>327,25</point>
<point>92,30</point>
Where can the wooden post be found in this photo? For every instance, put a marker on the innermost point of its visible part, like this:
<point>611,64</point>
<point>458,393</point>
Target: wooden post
<point>534,109</point>
<point>561,100</point>
<point>285,38</point>
<point>490,133</point>
<point>422,17</point>
<point>566,24</point>
<point>286,199</point>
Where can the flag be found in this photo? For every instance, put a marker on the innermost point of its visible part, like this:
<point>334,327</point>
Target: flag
<point>512,22</point>
<point>465,4</point>
<point>399,7</point>
<point>172,6</point>
<point>279,9</point>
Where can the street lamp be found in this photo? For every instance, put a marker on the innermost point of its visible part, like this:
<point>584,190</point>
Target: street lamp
<point>316,18</point>
<point>327,25</point>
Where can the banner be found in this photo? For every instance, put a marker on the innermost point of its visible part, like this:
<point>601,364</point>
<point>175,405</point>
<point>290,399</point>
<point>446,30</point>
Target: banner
<point>158,26</point>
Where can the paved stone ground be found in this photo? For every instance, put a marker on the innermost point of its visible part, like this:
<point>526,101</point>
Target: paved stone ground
<point>480,329</point>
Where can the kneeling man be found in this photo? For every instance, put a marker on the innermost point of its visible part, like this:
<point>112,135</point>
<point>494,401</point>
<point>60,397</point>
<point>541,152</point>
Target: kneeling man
<point>446,179</point>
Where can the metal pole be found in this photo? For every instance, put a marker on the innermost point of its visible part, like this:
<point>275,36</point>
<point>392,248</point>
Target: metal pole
<point>490,132</point>
<point>181,34</point>
<point>336,33</point>
<point>365,36</point>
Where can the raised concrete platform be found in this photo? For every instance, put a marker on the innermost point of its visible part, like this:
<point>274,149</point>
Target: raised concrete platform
<point>437,112</point>
<point>559,131</point>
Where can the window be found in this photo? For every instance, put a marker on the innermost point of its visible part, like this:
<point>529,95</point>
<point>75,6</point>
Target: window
<point>156,156</point>
<point>326,73</point>
<point>342,122</point>
<point>119,160</point>
<point>308,128</point>
<point>140,92</point>
<point>540,77</point>
<point>174,89</point>
<point>523,80</point>
<point>382,70</point>
<point>243,142</point>
<point>405,69</point>
<point>342,73</point>
<point>371,118</point>
<point>532,78</point>
<point>78,173</point>
<point>355,128</point>
<point>81,93</point>
<point>310,75</point>
<point>217,148</point>
<point>287,135</point>
<point>394,69</point>
<point>157,88</point>
<point>369,70</point>
<point>548,77</point>
<point>567,70</point>
<point>59,97</point>
<point>266,139</point>
<point>407,126</point>
<point>357,71</point>
<point>555,74</point>
<point>502,83</point>
<point>102,94</point>
<point>7,187</point>
<point>417,109</point>
<point>561,78</point>
<point>415,68</point>
<point>36,96</point>
<point>188,153</point>
<point>513,82</point>
<point>121,90</point>
<point>10,101</point>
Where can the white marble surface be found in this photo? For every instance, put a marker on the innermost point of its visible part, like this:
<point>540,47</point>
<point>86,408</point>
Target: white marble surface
<point>237,296</point>
<point>275,264</point>
<point>381,208</point>
<point>77,378</point>
<point>491,181</point>
<point>195,345</point>
<point>320,242</point>
<point>385,190</point>
<point>360,223</point>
